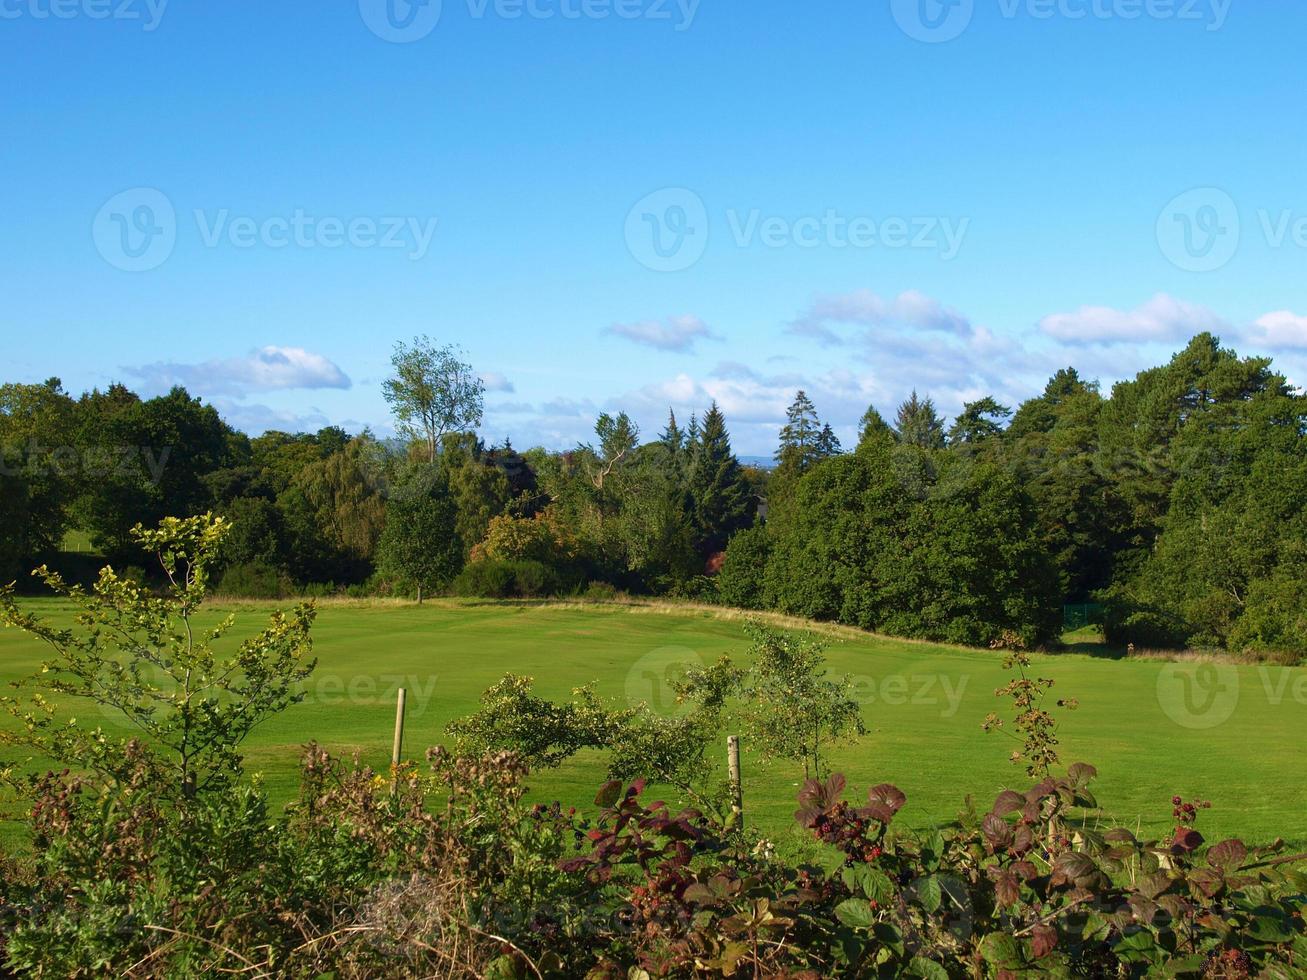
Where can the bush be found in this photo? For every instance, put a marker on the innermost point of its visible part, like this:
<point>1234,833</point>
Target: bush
<point>506,580</point>
<point>600,592</point>
<point>253,580</point>
<point>744,571</point>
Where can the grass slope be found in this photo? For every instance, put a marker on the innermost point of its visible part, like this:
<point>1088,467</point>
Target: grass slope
<point>923,705</point>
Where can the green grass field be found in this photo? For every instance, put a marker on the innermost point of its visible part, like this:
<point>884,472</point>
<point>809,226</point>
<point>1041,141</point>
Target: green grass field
<point>1233,735</point>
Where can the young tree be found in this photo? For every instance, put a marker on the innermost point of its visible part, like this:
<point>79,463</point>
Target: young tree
<point>432,392</point>
<point>791,708</point>
<point>420,544</point>
<point>918,424</point>
<point>146,659</point>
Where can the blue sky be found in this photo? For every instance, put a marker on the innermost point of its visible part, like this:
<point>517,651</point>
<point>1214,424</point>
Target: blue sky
<point>858,198</point>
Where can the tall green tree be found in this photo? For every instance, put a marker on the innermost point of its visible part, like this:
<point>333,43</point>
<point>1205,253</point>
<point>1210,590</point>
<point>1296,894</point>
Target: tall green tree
<point>155,457</point>
<point>432,391</point>
<point>720,495</point>
<point>42,466</point>
<point>828,443</point>
<point>918,424</point>
<point>873,426</point>
<point>420,545</point>
<point>978,421</point>
<point>800,435</point>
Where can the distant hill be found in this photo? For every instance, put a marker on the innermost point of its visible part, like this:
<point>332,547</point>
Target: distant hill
<point>762,462</point>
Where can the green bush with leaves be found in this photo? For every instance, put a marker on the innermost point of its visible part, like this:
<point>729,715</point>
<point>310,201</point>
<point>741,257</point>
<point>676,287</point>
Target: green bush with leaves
<point>142,657</point>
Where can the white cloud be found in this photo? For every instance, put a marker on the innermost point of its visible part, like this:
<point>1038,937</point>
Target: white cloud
<point>494,381</point>
<point>1281,330</point>
<point>866,309</point>
<point>677,333</point>
<point>1162,318</point>
<point>269,368</point>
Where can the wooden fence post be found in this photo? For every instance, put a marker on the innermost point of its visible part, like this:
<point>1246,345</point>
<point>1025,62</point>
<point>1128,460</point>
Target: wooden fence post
<point>396,751</point>
<point>733,773</point>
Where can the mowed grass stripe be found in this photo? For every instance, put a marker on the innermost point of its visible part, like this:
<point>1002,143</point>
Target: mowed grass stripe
<point>924,705</point>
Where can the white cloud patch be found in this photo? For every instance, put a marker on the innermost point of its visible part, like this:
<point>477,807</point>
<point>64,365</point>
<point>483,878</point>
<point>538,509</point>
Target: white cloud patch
<point>494,381</point>
<point>266,369</point>
<point>677,333</point>
<point>1281,330</point>
<point>1162,318</point>
<point>863,308</point>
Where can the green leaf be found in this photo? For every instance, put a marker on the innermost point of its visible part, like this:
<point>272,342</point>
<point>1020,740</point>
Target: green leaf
<point>855,913</point>
<point>926,969</point>
<point>1001,950</point>
<point>1138,947</point>
<point>506,968</point>
<point>1268,929</point>
<point>929,893</point>
<point>876,885</point>
<point>871,881</point>
<point>933,851</point>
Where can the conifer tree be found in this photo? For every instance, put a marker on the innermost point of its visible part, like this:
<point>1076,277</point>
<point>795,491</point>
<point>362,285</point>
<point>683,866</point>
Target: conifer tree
<point>721,499</point>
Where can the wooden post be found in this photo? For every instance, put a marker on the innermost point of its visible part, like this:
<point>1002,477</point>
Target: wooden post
<point>399,736</point>
<point>733,773</point>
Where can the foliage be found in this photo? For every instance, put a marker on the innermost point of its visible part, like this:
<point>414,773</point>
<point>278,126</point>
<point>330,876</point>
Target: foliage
<point>949,554</point>
<point>791,710</point>
<point>139,656</point>
<point>420,546</point>
<point>1176,500</point>
<point>432,392</point>
<point>721,503</point>
<point>1036,725</point>
<point>540,732</point>
<point>253,580</point>
<point>918,424</point>
<point>491,579</point>
<point>742,580</point>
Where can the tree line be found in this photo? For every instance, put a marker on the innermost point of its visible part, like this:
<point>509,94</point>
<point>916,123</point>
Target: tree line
<point>1175,501</point>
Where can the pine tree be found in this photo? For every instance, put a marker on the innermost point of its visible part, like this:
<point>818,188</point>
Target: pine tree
<point>979,420</point>
<point>828,443</point>
<point>873,426</point>
<point>721,498</point>
<point>672,437</point>
<point>798,446</point>
<point>918,423</point>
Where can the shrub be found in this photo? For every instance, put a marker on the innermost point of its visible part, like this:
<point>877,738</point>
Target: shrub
<point>600,592</point>
<point>744,570</point>
<point>490,579</point>
<point>253,580</point>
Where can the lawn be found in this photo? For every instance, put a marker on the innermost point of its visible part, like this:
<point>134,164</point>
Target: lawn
<point>1228,734</point>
